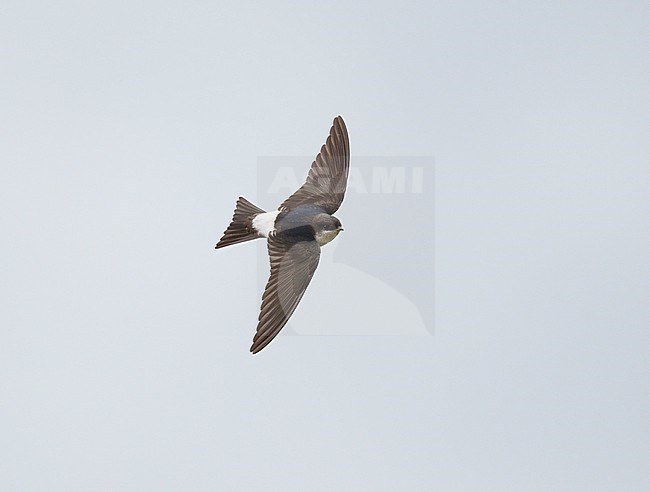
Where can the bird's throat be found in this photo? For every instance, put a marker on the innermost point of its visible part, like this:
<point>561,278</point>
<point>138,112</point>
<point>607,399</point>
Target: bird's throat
<point>324,237</point>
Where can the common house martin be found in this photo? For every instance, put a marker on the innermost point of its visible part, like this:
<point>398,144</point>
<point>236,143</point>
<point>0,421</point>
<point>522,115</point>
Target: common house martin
<point>295,232</point>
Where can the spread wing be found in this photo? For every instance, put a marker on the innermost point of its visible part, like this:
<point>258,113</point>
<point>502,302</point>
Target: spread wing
<point>328,176</point>
<point>292,266</point>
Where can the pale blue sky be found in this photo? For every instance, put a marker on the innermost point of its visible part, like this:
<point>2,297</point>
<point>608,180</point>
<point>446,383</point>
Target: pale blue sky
<point>129,129</point>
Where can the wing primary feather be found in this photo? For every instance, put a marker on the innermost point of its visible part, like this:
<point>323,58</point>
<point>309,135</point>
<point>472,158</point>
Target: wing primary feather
<point>292,268</point>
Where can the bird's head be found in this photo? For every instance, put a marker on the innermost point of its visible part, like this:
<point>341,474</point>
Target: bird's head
<point>326,228</point>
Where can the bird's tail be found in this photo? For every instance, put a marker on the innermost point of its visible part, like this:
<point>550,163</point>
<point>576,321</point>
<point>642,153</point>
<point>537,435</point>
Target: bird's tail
<point>240,229</point>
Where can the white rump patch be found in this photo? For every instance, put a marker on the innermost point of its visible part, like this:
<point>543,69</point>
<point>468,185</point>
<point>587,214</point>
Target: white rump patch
<point>265,223</point>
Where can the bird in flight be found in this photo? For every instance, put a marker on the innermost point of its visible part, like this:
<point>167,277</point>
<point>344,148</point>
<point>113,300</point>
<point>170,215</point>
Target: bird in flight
<point>295,232</point>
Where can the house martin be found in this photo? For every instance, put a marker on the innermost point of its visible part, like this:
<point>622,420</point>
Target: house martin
<point>295,232</point>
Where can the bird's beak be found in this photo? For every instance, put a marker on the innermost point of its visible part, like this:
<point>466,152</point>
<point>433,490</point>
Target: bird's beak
<point>341,228</point>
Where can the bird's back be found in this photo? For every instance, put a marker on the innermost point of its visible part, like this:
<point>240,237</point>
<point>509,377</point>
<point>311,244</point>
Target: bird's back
<point>297,224</point>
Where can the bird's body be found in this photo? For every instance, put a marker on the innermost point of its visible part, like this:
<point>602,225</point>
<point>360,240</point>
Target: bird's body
<point>295,232</point>
<point>306,222</point>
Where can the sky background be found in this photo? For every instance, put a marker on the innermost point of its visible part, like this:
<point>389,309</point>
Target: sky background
<point>127,130</point>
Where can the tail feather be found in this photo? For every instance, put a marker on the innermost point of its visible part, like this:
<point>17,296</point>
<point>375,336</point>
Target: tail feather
<point>240,229</point>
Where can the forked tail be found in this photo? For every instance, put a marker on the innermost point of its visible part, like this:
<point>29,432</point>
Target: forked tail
<point>240,229</point>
